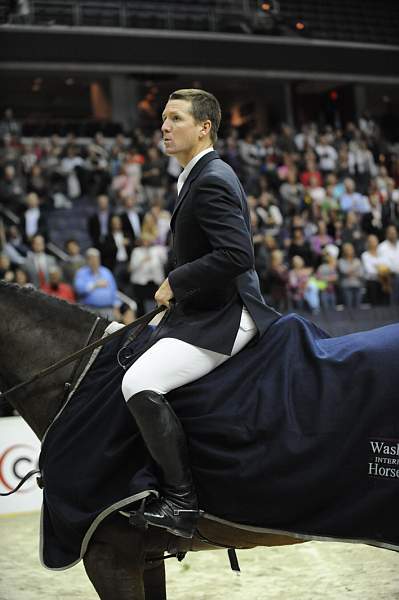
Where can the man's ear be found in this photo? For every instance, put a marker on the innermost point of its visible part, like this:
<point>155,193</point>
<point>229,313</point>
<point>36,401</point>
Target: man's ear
<point>206,127</point>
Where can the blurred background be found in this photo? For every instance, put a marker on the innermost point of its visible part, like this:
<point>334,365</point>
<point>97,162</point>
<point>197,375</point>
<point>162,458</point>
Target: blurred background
<point>310,98</point>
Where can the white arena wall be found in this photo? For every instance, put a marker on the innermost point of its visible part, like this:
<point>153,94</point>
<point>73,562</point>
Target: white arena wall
<point>19,453</point>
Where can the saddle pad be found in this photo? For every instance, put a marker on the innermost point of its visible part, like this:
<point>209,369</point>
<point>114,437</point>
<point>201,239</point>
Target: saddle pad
<point>296,434</point>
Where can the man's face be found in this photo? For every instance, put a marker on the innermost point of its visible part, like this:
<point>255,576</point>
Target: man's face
<point>93,261</point>
<point>38,244</point>
<point>180,132</point>
<point>73,248</point>
<point>102,202</point>
<point>392,235</point>
<point>55,277</point>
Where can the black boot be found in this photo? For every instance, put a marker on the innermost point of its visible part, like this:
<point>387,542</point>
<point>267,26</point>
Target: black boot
<point>177,509</point>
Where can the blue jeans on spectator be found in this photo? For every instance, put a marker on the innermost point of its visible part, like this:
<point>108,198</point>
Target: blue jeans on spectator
<point>328,299</point>
<point>351,296</point>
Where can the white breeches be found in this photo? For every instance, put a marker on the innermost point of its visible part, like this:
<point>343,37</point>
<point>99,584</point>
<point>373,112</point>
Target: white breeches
<point>171,363</point>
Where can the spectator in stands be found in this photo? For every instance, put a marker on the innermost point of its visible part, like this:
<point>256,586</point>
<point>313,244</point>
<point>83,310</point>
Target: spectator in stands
<point>147,272</point>
<point>153,175</point>
<point>127,182</point>
<point>286,141</point>
<point>11,189</point>
<point>231,155</point>
<point>74,261</point>
<point>269,214</point>
<point>96,174</point>
<point>303,291</point>
<point>292,194</point>
<point>156,223</point>
<point>389,203</point>
<point>351,276</point>
<point>37,182</point>
<point>96,287</point>
<point>6,272</point>
<point>388,251</point>
<point>21,277</point>
<point>14,246</point>
<point>71,165</point>
<point>327,274</point>
<point>361,165</point>
<point>298,246</point>
<point>99,224</point>
<point>352,200</point>
<point>38,263</point>
<point>352,232</point>
<point>28,158</point>
<point>276,282</point>
<point>33,220</point>
<point>376,273</point>
<point>320,240</point>
<point>315,195</point>
<point>115,252</point>
<point>131,222</point>
<point>9,125</point>
<point>311,171</point>
<point>249,156</point>
<point>327,156</point>
<point>57,287</point>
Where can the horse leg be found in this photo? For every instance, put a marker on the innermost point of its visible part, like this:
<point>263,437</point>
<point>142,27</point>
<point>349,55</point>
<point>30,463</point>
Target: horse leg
<point>154,580</point>
<point>112,575</point>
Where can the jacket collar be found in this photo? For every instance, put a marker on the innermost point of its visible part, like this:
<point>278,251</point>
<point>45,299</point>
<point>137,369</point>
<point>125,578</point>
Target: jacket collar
<point>195,171</point>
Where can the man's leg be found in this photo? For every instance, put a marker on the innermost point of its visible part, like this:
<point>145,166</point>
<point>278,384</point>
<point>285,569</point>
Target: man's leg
<point>169,364</point>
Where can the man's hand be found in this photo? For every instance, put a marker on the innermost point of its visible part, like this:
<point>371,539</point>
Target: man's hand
<point>101,283</point>
<point>164,294</point>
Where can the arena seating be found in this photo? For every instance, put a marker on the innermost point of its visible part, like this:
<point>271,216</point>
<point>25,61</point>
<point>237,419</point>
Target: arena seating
<point>365,21</point>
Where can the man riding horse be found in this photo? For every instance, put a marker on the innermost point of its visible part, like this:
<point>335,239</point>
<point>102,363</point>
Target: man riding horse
<point>212,293</point>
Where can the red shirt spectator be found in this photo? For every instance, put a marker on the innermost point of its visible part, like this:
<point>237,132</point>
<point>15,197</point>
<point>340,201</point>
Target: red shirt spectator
<point>56,287</point>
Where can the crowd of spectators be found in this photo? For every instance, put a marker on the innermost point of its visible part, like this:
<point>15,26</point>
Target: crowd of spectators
<point>324,207</point>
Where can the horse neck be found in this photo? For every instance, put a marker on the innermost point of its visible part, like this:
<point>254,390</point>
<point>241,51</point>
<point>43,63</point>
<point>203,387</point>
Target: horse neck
<point>35,332</point>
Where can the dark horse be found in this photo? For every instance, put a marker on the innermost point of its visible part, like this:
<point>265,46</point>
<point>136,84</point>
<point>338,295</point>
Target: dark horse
<point>121,562</point>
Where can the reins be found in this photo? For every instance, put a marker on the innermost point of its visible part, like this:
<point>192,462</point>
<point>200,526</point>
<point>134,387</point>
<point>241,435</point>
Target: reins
<point>144,320</point>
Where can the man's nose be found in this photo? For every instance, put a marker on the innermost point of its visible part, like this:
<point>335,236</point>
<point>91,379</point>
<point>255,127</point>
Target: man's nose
<point>165,125</point>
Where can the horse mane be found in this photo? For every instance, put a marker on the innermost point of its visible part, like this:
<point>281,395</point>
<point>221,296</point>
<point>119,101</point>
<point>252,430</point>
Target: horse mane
<point>47,302</point>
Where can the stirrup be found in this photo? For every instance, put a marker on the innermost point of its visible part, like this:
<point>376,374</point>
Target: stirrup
<point>137,518</point>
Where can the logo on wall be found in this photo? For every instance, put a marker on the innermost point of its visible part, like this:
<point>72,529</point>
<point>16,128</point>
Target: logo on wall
<point>15,462</point>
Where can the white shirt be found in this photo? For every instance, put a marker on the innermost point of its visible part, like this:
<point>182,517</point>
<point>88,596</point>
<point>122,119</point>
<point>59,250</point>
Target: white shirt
<point>389,253</point>
<point>187,169</point>
<point>327,157</point>
<point>370,265</point>
<point>121,254</point>
<point>147,264</point>
<point>32,216</point>
<point>134,222</point>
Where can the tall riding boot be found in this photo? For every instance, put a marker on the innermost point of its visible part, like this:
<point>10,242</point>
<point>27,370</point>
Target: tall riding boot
<point>177,509</point>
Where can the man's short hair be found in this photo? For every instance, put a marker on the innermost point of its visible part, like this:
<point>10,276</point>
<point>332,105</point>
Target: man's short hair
<point>92,252</point>
<point>203,106</point>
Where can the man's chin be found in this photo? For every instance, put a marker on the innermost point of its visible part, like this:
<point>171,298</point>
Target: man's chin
<point>170,151</point>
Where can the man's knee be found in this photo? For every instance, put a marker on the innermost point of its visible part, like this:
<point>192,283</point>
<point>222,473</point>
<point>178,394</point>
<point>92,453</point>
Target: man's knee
<point>133,384</point>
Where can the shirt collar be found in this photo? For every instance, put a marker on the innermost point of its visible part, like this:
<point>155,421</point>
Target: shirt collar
<point>189,166</point>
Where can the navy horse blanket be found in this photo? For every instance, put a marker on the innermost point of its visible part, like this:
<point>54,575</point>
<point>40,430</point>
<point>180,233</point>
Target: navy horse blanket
<point>298,433</point>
